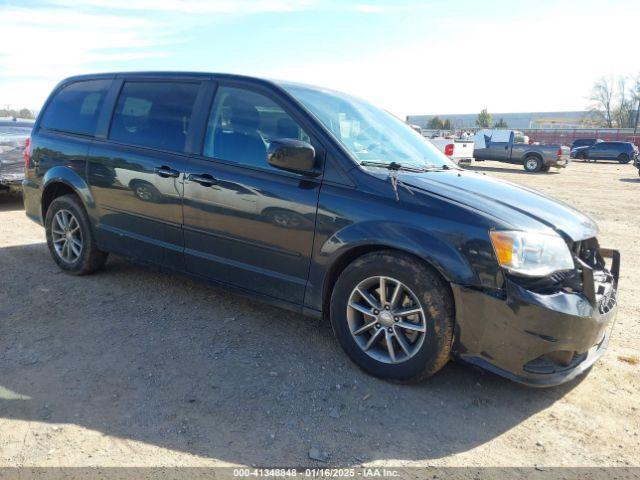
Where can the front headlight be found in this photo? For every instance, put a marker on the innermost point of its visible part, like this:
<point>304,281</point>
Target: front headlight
<point>532,254</point>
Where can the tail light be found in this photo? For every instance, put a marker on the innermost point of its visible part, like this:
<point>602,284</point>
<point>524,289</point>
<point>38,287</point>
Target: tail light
<point>448,150</point>
<point>27,152</point>
<point>559,152</point>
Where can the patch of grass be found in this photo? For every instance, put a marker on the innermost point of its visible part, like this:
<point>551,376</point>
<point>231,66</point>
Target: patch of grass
<point>629,359</point>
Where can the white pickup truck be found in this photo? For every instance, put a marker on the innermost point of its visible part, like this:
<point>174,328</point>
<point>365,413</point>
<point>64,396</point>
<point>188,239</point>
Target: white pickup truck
<point>459,151</point>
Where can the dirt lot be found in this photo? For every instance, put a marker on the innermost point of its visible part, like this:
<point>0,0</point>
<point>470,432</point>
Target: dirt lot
<point>135,367</point>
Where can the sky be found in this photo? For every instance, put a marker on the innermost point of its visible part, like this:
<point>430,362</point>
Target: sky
<point>407,56</point>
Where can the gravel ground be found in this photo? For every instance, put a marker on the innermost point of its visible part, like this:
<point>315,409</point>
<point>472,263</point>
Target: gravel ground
<point>139,368</point>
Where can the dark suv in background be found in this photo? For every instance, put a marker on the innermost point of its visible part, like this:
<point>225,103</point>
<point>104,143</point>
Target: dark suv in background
<point>324,204</point>
<point>622,152</point>
<point>584,142</point>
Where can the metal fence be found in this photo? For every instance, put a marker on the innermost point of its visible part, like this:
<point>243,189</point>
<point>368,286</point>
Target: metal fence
<point>565,136</point>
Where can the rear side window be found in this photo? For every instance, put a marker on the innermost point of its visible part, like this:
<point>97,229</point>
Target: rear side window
<point>154,114</point>
<point>75,108</point>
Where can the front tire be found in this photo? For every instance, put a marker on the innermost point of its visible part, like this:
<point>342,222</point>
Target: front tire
<point>393,316</point>
<point>70,238</point>
<point>624,158</point>
<point>533,164</point>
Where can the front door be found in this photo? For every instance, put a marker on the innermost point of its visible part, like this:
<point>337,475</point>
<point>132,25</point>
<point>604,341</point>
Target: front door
<point>136,175</point>
<point>599,151</point>
<point>247,223</point>
<point>500,151</point>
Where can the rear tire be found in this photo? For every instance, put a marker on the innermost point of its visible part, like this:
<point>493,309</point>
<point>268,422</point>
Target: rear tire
<point>70,238</point>
<point>533,163</point>
<point>420,341</point>
<point>624,158</point>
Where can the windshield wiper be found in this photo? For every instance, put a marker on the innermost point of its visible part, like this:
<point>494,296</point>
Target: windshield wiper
<point>392,166</point>
<point>394,171</point>
<point>395,166</point>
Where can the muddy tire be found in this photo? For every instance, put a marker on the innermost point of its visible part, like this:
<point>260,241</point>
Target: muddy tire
<point>393,315</point>
<point>70,238</point>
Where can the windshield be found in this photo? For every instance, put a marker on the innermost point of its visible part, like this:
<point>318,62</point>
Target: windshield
<point>369,133</point>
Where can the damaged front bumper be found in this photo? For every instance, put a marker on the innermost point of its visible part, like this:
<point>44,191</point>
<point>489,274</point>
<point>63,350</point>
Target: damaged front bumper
<point>539,339</point>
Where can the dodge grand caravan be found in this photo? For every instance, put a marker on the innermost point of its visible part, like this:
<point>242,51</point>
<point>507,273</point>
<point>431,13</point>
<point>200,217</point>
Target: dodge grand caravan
<point>324,204</point>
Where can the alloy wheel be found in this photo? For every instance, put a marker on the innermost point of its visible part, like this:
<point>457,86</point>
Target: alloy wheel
<point>386,319</point>
<point>67,236</point>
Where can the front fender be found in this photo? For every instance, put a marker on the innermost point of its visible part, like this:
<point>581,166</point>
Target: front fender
<point>461,257</point>
<point>438,252</point>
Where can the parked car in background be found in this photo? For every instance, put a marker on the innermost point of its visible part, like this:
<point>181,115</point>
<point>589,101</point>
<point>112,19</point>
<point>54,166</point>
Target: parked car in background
<point>584,142</point>
<point>321,203</point>
<point>13,137</point>
<point>459,151</point>
<point>500,146</point>
<point>622,152</point>
<point>435,133</point>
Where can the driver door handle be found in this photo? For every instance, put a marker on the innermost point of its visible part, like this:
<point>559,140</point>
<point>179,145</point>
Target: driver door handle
<point>166,172</point>
<point>203,179</point>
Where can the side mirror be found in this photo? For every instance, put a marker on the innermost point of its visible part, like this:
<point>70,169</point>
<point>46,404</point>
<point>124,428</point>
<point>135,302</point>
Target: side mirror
<point>292,155</point>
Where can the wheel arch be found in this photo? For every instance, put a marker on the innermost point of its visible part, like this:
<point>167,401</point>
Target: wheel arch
<point>135,181</point>
<point>60,181</point>
<point>533,153</point>
<point>351,255</point>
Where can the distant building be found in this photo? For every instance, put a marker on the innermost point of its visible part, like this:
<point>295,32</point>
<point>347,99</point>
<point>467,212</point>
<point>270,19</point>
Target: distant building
<point>514,120</point>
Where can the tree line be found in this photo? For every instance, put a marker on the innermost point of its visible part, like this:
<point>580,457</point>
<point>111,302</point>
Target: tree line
<point>22,113</point>
<point>484,120</point>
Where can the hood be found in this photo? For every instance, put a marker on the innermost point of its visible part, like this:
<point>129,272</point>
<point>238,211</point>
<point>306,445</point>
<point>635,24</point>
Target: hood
<point>521,208</point>
<point>583,147</point>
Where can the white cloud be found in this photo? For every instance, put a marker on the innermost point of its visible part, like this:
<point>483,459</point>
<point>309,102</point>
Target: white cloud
<point>197,6</point>
<point>54,43</point>
<point>243,6</point>
<point>543,61</point>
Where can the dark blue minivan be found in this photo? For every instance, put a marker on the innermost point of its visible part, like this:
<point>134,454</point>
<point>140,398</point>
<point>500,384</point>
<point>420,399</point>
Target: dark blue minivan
<point>324,204</point>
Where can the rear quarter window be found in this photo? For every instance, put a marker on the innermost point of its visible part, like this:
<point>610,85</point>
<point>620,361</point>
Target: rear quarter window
<point>76,107</point>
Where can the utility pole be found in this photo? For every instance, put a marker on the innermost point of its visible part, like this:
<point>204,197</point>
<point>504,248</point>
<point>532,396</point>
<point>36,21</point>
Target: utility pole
<point>635,126</point>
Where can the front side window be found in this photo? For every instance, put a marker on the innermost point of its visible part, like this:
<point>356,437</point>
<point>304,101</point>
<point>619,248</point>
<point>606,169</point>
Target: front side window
<point>154,114</point>
<point>243,123</point>
<point>367,132</point>
<point>76,108</point>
